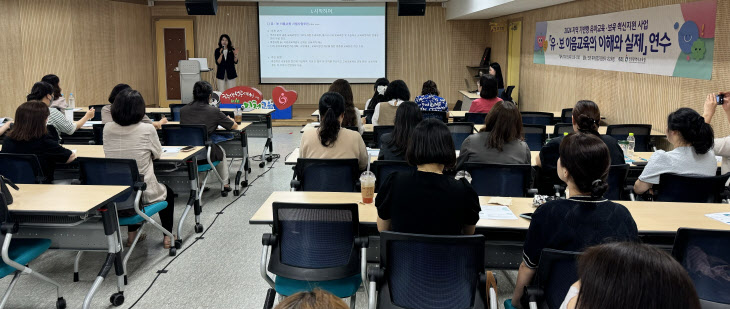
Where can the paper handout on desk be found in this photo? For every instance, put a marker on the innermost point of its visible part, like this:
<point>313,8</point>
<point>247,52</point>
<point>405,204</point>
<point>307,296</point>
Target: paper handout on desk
<point>91,123</point>
<point>373,152</point>
<point>490,212</point>
<point>171,149</point>
<point>723,217</point>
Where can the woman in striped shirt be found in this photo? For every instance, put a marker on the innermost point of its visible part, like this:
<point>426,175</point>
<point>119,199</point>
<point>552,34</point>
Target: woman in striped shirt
<point>43,92</point>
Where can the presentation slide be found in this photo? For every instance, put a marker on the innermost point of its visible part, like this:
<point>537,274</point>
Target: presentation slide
<point>317,43</point>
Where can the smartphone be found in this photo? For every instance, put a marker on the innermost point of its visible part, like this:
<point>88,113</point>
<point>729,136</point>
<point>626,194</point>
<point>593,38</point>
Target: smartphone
<point>187,148</point>
<point>720,99</point>
<point>527,216</point>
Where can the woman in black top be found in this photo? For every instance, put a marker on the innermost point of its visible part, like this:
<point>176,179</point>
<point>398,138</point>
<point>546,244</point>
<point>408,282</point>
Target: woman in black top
<point>426,201</point>
<point>584,219</point>
<point>586,118</point>
<point>29,135</point>
<point>379,96</point>
<point>394,144</point>
<point>226,58</point>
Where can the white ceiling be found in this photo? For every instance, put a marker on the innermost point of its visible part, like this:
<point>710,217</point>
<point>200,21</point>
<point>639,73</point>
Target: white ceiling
<point>486,9</point>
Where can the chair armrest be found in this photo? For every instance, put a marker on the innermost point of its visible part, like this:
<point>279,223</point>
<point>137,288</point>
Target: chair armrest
<point>268,239</point>
<point>140,186</point>
<point>362,242</point>
<point>9,227</point>
<point>375,274</point>
<point>532,295</point>
<point>208,143</point>
<point>295,184</point>
<point>531,192</point>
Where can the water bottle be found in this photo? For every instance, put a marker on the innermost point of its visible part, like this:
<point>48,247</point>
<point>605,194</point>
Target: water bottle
<point>71,100</point>
<point>632,143</point>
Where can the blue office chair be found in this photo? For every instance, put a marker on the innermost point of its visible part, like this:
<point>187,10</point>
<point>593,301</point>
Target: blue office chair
<point>702,250</point>
<point>443,116</point>
<point>642,134</point>
<point>98,130</point>
<point>429,272</point>
<point>194,135</point>
<point>175,111</point>
<point>18,253</point>
<point>123,172</point>
<point>97,111</point>
<point>535,136</point>
<point>21,168</point>
<point>315,246</point>
<point>561,128</point>
<point>507,94</point>
<point>690,189</point>
<point>566,115</point>
<point>542,118</point>
<point>383,168</point>
<point>616,181</point>
<point>500,179</point>
<point>325,175</point>
<point>475,118</point>
<point>368,113</point>
<point>556,272</point>
<point>378,131</point>
<point>460,131</point>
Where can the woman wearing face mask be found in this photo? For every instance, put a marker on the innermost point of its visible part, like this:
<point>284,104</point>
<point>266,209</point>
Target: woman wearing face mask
<point>43,92</point>
<point>226,58</point>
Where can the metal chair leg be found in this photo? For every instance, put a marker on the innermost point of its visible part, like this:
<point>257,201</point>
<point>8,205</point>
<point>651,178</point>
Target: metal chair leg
<point>353,301</point>
<point>76,266</point>
<point>16,276</point>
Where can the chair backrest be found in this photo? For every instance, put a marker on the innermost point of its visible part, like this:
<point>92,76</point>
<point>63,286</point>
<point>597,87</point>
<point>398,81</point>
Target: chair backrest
<point>315,242</point>
<point>448,272</point>
<point>616,181</point>
<point>378,131</point>
<point>566,116</point>
<point>443,116</point>
<point>383,168</point>
<point>705,254</point>
<point>642,134</point>
<point>368,113</point>
<point>457,106</point>
<point>111,172</point>
<point>500,179</point>
<point>561,128</point>
<point>507,94</point>
<point>53,133</point>
<point>537,118</point>
<point>327,175</point>
<point>21,168</point>
<point>184,135</point>
<point>97,111</point>
<point>460,131</point>
<point>556,272</point>
<point>535,136</point>
<point>175,111</point>
<point>690,189</point>
<point>98,129</point>
<point>476,118</point>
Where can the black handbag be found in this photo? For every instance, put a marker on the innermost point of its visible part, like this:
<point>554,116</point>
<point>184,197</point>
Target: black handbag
<point>6,196</point>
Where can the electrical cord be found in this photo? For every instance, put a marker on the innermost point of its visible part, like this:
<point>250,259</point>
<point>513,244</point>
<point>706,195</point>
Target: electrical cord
<point>275,158</point>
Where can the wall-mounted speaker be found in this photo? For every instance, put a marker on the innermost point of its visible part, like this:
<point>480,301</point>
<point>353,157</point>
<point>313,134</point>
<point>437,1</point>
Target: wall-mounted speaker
<point>201,7</point>
<point>411,7</point>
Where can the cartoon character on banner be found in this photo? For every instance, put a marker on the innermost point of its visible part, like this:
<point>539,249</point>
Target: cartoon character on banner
<point>241,96</point>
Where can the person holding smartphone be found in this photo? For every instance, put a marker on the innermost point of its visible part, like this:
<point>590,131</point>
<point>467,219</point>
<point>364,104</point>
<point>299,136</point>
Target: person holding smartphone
<point>722,144</point>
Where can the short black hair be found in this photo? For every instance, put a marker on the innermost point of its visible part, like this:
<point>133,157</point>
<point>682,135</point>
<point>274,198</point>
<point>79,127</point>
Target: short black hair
<point>398,90</point>
<point>54,81</point>
<point>39,91</point>
<point>489,86</point>
<point>116,90</point>
<point>128,108</point>
<point>202,91</point>
<point>431,142</point>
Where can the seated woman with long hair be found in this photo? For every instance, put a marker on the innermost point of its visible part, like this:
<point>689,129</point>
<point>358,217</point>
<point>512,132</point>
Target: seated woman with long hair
<point>352,116</point>
<point>394,144</point>
<point>499,142</point>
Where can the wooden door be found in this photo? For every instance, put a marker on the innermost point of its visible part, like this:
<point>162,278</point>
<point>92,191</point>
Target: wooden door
<point>175,50</point>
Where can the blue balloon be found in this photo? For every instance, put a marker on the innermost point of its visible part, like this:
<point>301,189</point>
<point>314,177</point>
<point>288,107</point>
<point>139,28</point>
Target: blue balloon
<point>687,35</point>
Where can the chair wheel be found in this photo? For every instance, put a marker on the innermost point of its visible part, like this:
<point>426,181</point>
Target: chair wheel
<point>236,193</point>
<point>198,228</point>
<point>173,251</point>
<point>244,183</point>
<point>61,303</point>
<point>248,170</point>
<point>76,277</point>
<point>262,164</point>
<point>117,299</point>
<point>269,159</point>
<point>224,193</point>
<point>178,244</point>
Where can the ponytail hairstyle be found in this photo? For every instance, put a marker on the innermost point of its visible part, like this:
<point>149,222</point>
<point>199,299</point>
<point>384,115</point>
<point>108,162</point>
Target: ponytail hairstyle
<point>343,87</point>
<point>54,81</point>
<point>407,117</point>
<point>379,96</point>
<point>331,106</point>
<point>693,129</point>
<point>587,116</point>
<point>587,160</point>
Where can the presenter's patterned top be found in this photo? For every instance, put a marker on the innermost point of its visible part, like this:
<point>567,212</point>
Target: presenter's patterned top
<point>432,103</point>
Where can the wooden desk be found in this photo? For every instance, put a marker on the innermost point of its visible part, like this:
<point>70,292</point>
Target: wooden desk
<point>469,95</point>
<point>316,113</point>
<point>97,151</point>
<point>602,130</point>
<point>166,110</point>
<point>650,217</point>
<point>367,128</point>
<point>79,218</point>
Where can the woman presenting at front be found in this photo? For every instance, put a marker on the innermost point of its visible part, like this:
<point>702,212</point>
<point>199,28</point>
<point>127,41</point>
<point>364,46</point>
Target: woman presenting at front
<point>226,57</point>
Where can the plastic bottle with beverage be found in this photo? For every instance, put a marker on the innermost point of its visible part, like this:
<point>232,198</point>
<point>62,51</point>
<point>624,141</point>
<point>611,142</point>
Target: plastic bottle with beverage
<point>71,101</point>
<point>632,143</point>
